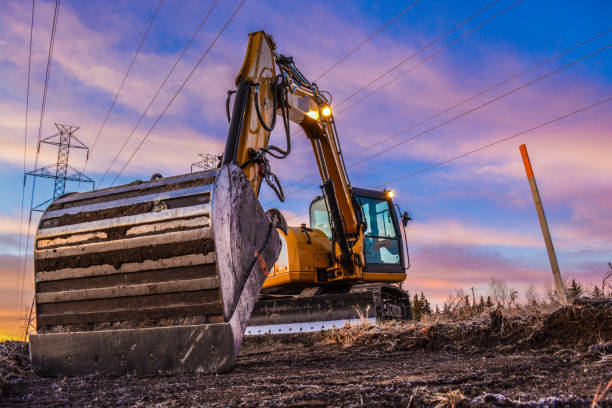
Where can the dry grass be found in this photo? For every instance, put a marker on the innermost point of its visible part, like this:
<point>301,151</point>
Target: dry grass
<point>451,399</point>
<point>600,393</point>
<point>348,335</point>
<point>586,326</point>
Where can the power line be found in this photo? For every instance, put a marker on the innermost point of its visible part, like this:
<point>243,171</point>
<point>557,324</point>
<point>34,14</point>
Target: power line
<point>361,44</point>
<point>178,91</point>
<point>40,126</point>
<point>422,49</point>
<point>95,70</point>
<point>48,71</point>
<point>25,148</point>
<point>426,46</point>
<point>483,147</point>
<point>431,56</point>
<point>144,37</point>
<point>482,105</point>
<point>456,117</point>
<point>417,52</point>
<point>486,146</point>
<point>180,57</point>
<point>495,86</point>
<point>75,35</point>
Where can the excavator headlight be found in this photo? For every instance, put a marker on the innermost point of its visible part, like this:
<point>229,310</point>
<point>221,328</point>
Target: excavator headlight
<point>326,111</point>
<point>313,114</point>
<point>390,193</point>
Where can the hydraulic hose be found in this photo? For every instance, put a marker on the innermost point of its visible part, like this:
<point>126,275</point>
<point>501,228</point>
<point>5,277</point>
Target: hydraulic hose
<point>259,115</point>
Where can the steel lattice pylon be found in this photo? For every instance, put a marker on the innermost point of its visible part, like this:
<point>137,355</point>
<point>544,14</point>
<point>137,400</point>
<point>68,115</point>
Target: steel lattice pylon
<point>207,161</point>
<point>61,171</point>
<point>63,150</point>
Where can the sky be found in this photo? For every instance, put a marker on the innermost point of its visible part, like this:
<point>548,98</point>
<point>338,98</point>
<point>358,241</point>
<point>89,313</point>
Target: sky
<point>458,76</point>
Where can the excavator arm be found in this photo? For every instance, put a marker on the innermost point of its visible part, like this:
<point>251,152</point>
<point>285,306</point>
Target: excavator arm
<point>261,96</point>
<point>340,269</point>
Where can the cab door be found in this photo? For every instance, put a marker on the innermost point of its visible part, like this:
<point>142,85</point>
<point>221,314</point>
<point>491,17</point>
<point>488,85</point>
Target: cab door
<point>383,246</point>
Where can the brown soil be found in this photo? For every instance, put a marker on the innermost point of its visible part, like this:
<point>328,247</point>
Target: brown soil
<point>553,359</point>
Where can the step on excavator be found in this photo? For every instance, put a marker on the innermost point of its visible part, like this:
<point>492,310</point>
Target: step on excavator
<point>167,275</point>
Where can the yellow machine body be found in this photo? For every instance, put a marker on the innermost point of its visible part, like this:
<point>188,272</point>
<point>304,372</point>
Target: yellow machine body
<point>306,251</point>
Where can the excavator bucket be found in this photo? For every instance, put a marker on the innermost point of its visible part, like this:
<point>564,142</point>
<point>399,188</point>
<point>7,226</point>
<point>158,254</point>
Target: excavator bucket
<point>150,277</point>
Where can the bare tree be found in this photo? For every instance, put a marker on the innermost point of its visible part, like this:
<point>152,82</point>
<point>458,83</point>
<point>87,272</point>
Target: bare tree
<point>550,292</point>
<point>607,276</point>
<point>499,291</point>
<point>532,296</point>
<point>512,297</point>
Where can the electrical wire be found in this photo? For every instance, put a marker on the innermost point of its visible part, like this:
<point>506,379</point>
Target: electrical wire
<point>482,105</point>
<point>495,86</point>
<point>40,127</point>
<point>419,51</point>
<point>412,68</point>
<point>180,57</point>
<point>178,91</point>
<point>498,141</point>
<point>48,72</point>
<point>483,147</point>
<point>95,72</point>
<point>364,42</point>
<point>110,109</point>
<point>512,91</point>
<point>25,148</point>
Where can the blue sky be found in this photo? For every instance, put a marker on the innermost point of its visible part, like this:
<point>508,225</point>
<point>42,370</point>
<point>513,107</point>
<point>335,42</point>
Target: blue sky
<point>474,218</point>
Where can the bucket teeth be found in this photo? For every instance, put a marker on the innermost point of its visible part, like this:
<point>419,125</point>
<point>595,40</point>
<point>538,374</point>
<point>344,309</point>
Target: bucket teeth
<point>158,255</point>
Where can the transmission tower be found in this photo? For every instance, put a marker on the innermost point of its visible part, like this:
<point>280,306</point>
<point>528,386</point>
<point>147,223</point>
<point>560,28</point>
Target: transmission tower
<point>207,161</point>
<point>61,171</point>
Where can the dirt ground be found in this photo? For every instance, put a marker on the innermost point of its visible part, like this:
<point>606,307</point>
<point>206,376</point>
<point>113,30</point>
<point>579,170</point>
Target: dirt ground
<point>553,359</point>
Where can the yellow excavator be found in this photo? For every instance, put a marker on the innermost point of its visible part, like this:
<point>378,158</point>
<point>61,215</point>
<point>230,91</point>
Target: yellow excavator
<point>167,275</point>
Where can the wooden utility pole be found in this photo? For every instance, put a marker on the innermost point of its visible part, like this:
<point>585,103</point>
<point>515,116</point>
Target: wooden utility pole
<point>552,257</point>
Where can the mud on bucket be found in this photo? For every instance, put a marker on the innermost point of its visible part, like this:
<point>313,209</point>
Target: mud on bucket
<point>149,277</point>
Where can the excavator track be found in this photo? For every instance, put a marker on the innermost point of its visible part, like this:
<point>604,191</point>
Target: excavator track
<point>373,302</point>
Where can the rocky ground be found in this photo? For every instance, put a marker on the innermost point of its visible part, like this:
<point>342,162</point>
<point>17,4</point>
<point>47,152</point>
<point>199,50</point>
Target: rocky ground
<point>557,359</point>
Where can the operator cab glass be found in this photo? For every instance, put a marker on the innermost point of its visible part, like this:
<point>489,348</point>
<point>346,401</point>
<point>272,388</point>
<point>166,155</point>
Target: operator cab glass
<point>383,246</point>
<point>319,218</point>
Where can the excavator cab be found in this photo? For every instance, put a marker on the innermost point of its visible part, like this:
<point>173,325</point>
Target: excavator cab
<point>302,294</point>
<point>385,247</point>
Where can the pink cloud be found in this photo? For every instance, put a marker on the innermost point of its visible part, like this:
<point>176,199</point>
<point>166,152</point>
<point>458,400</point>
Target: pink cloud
<point>9,290</point>
<point>452,232</point>
<point>440,269</point>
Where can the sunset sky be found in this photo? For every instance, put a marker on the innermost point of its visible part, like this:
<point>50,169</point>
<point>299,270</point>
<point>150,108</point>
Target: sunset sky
<point>474,217</point>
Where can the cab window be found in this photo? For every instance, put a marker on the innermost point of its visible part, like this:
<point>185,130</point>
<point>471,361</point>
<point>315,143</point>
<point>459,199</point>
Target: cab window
<point>381,239</point>
<point>319,218</point>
